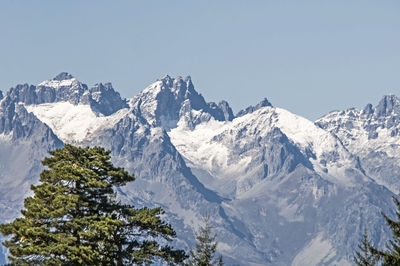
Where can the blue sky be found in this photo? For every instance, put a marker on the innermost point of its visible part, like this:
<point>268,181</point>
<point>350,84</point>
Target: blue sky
<point>309,57</point>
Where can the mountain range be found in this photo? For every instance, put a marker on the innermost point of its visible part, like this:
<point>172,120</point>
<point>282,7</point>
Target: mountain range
<point>280,189</point>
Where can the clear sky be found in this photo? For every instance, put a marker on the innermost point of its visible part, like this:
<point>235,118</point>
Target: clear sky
<point>309,57</point>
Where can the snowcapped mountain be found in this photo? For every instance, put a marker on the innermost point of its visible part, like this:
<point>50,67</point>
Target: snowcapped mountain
<point>373,135</point>
<point>166,100</point>
<point>230,149</point>
<point>281,189</point>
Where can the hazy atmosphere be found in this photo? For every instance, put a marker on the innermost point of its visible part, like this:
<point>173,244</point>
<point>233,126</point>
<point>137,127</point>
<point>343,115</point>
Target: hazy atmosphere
<point>309,57</point>
<point>155,169</point>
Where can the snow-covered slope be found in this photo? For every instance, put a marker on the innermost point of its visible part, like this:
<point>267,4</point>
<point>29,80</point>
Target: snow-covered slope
<point>281,190</point>
<point>60,81</point>
<point>281,171</point>
<point>226,150</point>
<point>373,134</point>
<point>74,123</point>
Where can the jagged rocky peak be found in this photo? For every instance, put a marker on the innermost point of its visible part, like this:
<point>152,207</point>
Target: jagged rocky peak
<point>17,122</point>
<point>251,109</point>
<point>164,102</point>
<point>9,116</point>
<point>389,105</point>
<point>226,110</point>
<point>23,93</point>
<point>104,99</point>
<point>1,95</point>
<point>184,86</point>
<point>100,88</point>
<point>61,88</point>
<point>60,81</point>
<point>65,88</point>
<point>167,80</point>
<point>221,111</point>
<point>63,76</point>
<point>185,89</point>
<point>181,88</point>
<point>368,110</point>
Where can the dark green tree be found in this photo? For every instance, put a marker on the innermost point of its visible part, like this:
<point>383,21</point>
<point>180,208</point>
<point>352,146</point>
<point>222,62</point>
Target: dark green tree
<point>363,256</point>
<point>391,254</point>
<point>73,218</point>
<point>204,255</point>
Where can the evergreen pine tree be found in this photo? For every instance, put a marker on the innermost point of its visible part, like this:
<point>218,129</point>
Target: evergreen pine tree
<point>206,247</point>
<point>363,256</point>
<point>391,254</point>
<point>73,218</point>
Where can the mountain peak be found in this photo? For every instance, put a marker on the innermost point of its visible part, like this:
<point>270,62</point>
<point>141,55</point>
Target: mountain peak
<point>251,109</point>
<point>170,82</point>
<point>389,104</point>
<point>368,109</point>
<point>168,99</point>
<point>166,80</point>
<point>104,99</point>
<point>63,76</point>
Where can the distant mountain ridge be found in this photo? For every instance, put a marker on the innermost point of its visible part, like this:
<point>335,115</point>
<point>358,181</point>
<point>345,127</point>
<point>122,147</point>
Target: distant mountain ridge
<point>281,190</point>
<point>166,100</point>
<point>64,87</point>
<point>372,134</point>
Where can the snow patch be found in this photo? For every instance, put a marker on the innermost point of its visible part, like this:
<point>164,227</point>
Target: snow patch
<point>203,151</point>
<point>220,150</point>
<point>6,137</point>
<point>318,252</point>
<point>59,83</point>
<point>74,123</point>
<point>289,211</point>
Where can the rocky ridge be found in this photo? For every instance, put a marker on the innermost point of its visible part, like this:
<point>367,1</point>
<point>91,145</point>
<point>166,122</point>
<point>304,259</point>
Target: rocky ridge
<point>281,189</point>
<point>372,134</point>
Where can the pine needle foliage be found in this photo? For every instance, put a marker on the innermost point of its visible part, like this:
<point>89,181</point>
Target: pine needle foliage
<point>204,255</point>
<point>73,218</point>
<point>391,254</point>
<point>364,256</point>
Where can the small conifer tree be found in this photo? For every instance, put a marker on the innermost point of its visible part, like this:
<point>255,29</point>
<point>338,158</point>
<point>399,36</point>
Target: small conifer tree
<point>369,255</point>
<point>363,256</point>
<point>73,218</point>
<point>204,255</point>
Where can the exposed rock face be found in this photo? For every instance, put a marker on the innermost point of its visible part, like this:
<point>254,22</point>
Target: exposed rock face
<point>16,122</point>
<point>165,101</point>
<point>104,99</point>
<point>277,186</point>
<point>63,76</point>
<point>373,135</point>
<point>389,105</point>
<point>65,88</point>
<point>251,109</point>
